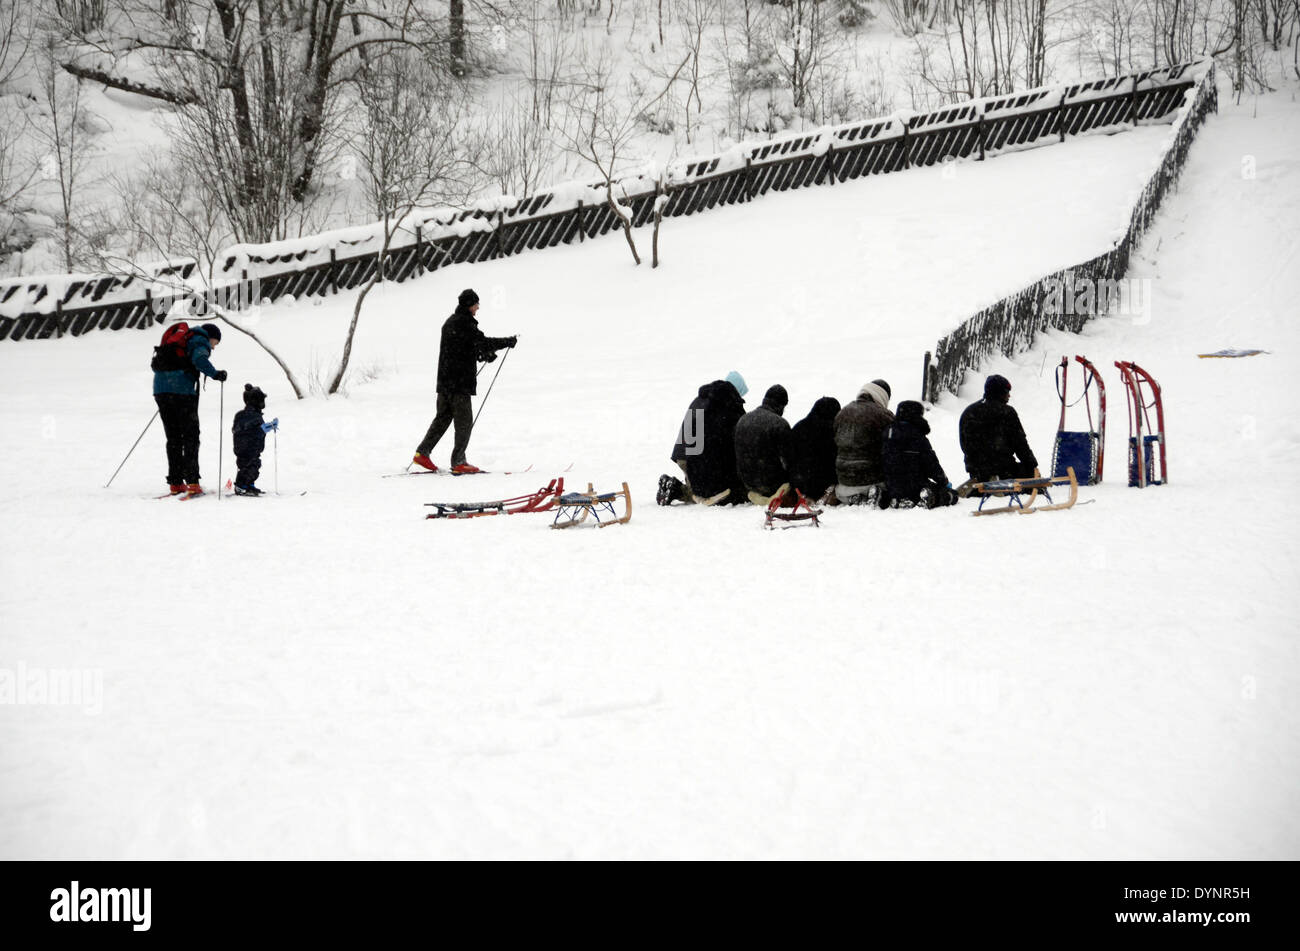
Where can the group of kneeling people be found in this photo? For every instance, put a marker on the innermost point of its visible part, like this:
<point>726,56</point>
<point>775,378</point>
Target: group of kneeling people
<point>859,454</point>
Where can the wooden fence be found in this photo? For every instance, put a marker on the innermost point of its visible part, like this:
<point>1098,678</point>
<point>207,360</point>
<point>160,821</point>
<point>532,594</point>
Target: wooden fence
<point>1011,325</point>
<point>45,307</point>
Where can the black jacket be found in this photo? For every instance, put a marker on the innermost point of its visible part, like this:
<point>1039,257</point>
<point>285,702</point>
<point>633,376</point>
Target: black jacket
<point>909,460</point>
<point>710,451</point>
<point>812,449</point>
<point>249,440</point>
<point>859,432</point>
<point>993,440</point>
<point>763,449</point>
<point>463,345</point>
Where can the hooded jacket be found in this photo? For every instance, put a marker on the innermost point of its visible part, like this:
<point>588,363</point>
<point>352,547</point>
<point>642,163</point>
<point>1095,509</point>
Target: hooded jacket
<point>763,448</point>
<point>463,345</point>
<point>706,441</point>
<point>812,449</point>
<point>859,432</point>
<point>907,456</point>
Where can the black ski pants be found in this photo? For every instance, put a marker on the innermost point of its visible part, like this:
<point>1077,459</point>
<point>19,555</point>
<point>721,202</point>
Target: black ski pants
<point>452,408</point>
<point>180,419</point>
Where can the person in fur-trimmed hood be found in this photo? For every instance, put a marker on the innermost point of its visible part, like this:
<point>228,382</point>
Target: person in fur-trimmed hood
<point>859,433</point>
<point>913,475</point>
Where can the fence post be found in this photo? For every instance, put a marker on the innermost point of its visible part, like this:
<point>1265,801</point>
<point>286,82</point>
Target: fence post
<point>980,127</point>
<point>1060,116</point>
<point>925,379</point>
<point>334,275</point>
<point>58,318</point>
<point>577,214</point>
<point>749,178</point>
<point>501,236</point>
<point>830,162</point>
<point>1133,103</point>
<point>419,249</point>
<point>907,161</point>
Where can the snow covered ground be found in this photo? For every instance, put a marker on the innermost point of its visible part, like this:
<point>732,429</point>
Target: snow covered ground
<point>332,676</point>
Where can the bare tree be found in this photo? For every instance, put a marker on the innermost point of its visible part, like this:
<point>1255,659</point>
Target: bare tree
<point>264,76</point>
<point>602,121</point>
<point>412,152</point>
<point>521,151</point>
<point>63,131</point>
<point>165,216</point>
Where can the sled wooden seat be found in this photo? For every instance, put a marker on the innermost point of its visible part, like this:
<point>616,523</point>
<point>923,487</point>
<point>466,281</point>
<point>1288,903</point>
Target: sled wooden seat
<point>1014,490</point>
<point>574,508</point>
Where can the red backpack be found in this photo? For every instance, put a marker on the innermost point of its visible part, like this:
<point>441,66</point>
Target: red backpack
<point>173,352</point>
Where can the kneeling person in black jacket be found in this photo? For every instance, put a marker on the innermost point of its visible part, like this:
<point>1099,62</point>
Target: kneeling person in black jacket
<point>250,439</point>
<point>763,448</point>
<point>913,475</point>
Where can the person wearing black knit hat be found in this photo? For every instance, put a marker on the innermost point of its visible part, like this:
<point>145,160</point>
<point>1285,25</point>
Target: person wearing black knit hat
<point>249,433</point>
<point>177,365</point>
<point>763,447</point>
<point>463,346</point>
<point>992,438</point>
<point>913,475</point>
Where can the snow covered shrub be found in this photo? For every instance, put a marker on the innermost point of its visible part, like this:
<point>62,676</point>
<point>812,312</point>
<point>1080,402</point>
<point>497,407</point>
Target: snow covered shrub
<point>854,13</point>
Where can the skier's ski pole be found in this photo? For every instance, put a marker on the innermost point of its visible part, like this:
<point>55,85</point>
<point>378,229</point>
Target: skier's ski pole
<point>489,390</point>
<point>132,449</point>
<point>275,443</point>
<point>221,436</point>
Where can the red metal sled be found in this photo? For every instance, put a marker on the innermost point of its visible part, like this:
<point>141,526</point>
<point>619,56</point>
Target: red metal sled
<point>1145,441</point>
<point>540,501</point>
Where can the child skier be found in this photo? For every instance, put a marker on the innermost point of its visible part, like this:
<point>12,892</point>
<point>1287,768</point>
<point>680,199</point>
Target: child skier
<point>250,439</point>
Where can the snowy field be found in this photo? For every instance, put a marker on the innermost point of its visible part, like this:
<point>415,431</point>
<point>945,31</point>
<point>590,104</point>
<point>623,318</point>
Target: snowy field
<point>330,675</point>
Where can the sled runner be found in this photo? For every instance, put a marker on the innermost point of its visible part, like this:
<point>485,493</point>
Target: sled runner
<point>574,508</point>
<point>1013,491</point>
<point>800,512</point>
<point>540,501</point>
<point>1145,442</point>
<point>1084,452</point>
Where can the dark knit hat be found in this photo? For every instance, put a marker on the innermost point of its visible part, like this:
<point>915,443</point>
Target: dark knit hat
<point>827,407</point>
<point>212,330</point>
<point>998,387</point>
<point>467,298</point>
<point>910,410</point>
<point>884,386</point>
<point>776,396</point>
<point>254,397</point>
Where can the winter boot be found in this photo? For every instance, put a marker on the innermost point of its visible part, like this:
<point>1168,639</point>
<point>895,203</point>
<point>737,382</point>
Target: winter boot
<point>464,468</point>
<point>248,490</point>
<point>176,489</point>
<point>670,490</point>
<point>192,489</point>
<point>424,462</point>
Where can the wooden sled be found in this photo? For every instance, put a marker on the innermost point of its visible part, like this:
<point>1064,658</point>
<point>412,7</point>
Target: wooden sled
<point>800,512</point>
<point>1014,489</point>
<point>540,501</point>
<point>574,508</point>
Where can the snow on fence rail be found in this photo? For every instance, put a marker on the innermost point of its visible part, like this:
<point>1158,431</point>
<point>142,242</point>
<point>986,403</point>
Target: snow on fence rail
<point>493,228</point>
<point>1010,325</point>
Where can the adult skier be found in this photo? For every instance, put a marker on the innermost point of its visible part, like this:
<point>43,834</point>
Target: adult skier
<point>463,346</point>
<point>176,391</point>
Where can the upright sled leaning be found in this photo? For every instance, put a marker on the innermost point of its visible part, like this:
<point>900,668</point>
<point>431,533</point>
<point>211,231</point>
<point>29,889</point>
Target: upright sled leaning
<point>1146,442</point>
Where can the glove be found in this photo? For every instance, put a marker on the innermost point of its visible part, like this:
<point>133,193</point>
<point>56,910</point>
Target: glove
<point>489,357</point>
<point>272,425</point>
<point>220,376</point>
<point>511,341</point>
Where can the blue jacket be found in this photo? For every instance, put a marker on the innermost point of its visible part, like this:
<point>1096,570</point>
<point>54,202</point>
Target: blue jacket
<point>186,382</point>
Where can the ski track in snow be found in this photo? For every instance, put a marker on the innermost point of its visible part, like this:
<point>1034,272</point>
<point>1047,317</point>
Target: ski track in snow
<point>334,676</point>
